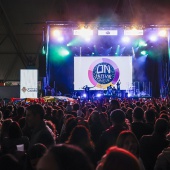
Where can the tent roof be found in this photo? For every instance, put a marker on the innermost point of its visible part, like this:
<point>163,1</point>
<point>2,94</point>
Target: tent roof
<point>22,23</point>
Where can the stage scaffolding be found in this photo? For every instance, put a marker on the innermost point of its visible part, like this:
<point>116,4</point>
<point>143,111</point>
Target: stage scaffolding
<point>140,89</point>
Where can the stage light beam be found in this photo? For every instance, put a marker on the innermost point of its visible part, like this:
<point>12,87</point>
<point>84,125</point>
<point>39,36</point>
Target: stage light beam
<point>117,50</point>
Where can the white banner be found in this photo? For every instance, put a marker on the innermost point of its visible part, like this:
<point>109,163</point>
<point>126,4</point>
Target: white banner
<point>83,32</point>
<point>133,32</point>
<point>28,83</point>
<point>107,32</point>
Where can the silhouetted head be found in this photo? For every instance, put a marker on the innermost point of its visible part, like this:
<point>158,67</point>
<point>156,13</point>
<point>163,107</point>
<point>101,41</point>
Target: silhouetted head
<point>117,116</point>
<point>63,157</point>
<point>119,159</point>
<point>161,126</point>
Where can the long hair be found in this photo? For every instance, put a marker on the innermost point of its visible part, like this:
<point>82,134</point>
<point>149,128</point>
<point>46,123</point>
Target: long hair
<point>80,136</point>
<point>123,136</point>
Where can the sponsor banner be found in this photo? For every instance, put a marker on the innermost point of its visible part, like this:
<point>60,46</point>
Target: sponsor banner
<point>83,32</point>
<point>133,32</point>
<point>107,32</point>
<point>28,83</point>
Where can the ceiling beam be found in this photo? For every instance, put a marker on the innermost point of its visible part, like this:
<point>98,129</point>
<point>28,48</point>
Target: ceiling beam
<point>11,33</point>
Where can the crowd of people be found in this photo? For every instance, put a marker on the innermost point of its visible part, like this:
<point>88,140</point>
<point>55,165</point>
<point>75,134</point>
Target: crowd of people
<point>120,134</point>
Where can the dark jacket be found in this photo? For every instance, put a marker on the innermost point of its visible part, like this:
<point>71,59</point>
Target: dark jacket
<point>150,147</point>
<point>43,134</point>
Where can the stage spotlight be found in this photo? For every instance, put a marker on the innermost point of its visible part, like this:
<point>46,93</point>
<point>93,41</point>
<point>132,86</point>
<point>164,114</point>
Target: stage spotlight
<point>162,33</point>
<point>126,39</point>
<point>56,33</point>
<point>63,52</point>
<point>143,52</point>
<point>98,95</point>
<point>84,95</point>
<point>153,38</point>
<point>142,43</point>
<point>60,39</point>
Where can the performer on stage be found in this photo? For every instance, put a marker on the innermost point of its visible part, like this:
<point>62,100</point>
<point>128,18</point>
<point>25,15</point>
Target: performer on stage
<point>118,88</point>
<point>118,85</point>
<point>109,90</point>
<point>48,90</point>
<point>87,89</point>
<point>114,91</point>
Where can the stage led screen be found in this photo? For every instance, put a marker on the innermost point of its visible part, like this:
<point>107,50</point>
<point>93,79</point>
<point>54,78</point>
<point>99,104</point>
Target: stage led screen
<point>28,83</point>
<point>101,72</point>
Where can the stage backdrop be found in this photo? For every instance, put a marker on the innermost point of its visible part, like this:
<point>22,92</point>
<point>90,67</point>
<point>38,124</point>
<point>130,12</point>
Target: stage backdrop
<point>100,72</point>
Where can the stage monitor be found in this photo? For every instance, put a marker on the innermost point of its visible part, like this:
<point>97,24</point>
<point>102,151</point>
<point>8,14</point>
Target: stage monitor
<point>28,83</point>
<point>101,72</point>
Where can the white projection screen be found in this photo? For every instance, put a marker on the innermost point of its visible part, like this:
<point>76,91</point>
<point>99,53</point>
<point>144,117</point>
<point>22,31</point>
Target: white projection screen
<point>28,83</point>
<point>100,72</point>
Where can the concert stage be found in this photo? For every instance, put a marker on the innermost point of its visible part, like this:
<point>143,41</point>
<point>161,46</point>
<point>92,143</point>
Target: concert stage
<point>132,97</point>
<point>72,99</point>
<point>97,95</point>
